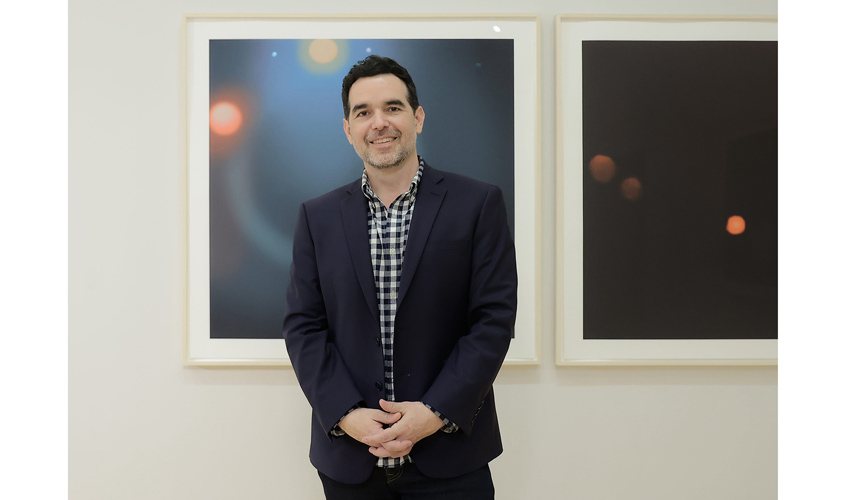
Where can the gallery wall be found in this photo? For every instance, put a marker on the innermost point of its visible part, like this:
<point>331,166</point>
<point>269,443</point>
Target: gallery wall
<point>144,426</point>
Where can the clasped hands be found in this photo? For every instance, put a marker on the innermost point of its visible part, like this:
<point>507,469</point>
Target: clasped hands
<point>408,421</point>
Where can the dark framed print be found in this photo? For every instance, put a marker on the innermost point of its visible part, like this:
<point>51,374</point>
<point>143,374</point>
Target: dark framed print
<point>667,190</point>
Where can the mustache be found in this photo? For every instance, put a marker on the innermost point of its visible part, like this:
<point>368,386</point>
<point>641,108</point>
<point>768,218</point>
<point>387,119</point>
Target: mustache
<point>387,132</point>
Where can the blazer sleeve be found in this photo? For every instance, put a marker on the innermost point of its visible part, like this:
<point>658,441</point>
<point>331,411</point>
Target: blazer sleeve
<point>323,376</point>
<point>460,389</point>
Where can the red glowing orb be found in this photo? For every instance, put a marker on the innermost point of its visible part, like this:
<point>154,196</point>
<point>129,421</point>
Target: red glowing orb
<point>602,168</point>
<point>225,118</point>
<point>631,188</point>
<point>736,224</point>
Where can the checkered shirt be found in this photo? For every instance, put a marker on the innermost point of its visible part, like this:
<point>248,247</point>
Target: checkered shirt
<point>388,230</point>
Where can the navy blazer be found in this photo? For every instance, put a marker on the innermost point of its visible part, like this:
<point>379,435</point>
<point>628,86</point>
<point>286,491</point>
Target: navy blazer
<point>454,320</point>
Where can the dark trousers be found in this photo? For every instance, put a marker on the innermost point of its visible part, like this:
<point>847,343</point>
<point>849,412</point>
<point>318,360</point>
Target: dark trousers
<point>407,483</point>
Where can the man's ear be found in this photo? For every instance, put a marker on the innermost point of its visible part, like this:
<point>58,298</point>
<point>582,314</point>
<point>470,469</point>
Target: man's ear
<point>419,116</point>
<point>347,129</point>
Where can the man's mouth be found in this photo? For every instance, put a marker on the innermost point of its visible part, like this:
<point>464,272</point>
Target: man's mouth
<point>383,140</point>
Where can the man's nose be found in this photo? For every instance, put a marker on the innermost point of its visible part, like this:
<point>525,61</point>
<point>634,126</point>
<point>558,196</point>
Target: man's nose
<point>379,121</point>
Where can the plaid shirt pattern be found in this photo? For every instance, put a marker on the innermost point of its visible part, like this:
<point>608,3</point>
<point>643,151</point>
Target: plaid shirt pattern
<point>388,231</point>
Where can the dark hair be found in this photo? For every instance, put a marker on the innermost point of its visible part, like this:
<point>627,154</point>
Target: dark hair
<point>373,66</point>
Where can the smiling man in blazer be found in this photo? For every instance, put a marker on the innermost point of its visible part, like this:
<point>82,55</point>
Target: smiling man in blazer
<point>401,305</point>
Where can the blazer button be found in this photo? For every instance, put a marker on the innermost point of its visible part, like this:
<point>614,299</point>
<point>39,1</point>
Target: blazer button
<point>379,386</point>
<point>378,341</point>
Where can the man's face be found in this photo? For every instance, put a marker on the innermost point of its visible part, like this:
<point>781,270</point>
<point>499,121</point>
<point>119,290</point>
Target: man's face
<point>381,125</point>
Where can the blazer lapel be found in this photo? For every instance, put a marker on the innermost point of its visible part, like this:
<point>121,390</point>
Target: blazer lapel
<point>355,221</point>
<point>428,200</point>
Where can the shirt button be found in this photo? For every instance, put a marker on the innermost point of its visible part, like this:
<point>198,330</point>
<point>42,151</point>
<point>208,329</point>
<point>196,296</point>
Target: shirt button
<point>379,386</point>
<point>392,251</point>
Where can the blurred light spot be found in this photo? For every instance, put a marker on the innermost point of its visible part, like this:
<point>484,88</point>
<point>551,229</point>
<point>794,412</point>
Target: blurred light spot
<point>368,50</point>
<point>736,224</point>
<point>477,65</point>
<point>225,118</point>
<point>274,54</point>
<point>631,189</point>
<point>240,105</point>
<point>497,29</point>
<point>323,51</point>
<point>323,56</point>
<point>602,168</point>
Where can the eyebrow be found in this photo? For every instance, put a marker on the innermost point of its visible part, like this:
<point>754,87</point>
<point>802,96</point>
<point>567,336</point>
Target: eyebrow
<point>395,102</point>
<point>391,102</point>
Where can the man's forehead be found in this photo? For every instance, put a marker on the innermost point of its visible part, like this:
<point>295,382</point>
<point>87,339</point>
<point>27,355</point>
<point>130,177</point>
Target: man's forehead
<point>383,88</point>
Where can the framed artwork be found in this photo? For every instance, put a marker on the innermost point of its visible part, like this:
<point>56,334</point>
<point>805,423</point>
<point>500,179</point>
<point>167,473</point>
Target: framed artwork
<point>666,190</point>
<point>264,134</point>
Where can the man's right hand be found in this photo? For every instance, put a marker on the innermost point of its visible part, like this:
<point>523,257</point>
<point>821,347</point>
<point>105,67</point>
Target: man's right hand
<point>364,422</point>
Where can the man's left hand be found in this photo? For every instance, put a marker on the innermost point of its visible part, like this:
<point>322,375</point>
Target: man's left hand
<point>416,423</point>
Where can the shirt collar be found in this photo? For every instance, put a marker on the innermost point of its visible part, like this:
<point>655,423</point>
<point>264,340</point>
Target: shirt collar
<point>414,184</point>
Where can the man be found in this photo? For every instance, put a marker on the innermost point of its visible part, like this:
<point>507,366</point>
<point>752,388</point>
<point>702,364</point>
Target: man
<point>401,304</point>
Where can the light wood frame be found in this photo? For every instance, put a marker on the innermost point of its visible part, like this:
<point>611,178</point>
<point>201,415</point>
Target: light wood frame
<point>198,29</point>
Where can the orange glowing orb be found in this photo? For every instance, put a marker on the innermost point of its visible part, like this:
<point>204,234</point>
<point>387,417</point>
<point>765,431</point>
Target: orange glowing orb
<point>323,51</point>
<point>631,189</point>
<point>736,224</point>
<point>602,168</point>
<point>225,118</point>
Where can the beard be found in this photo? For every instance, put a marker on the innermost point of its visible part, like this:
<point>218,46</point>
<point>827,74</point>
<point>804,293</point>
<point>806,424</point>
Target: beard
<point>385,161</point>
<point>392,157</point>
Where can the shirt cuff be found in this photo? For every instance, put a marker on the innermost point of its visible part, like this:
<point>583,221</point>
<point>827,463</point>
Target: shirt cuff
<point>448,425</point>
<point>337,430</point>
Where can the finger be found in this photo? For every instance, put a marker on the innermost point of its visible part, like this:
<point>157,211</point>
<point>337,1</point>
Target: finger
<point>379,451</point>
<point>384,453</point>
<point>389,406</point>
<point>381,437</point>
<point>397,446</point>
<point>389,418</point>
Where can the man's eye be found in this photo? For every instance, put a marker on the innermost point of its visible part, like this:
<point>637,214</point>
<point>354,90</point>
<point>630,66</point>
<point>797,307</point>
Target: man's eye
<point>362,113</point>
<point>394,108</point>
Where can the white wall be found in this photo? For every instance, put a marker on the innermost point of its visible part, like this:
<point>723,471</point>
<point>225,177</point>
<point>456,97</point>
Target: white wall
<point>143,426</point>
